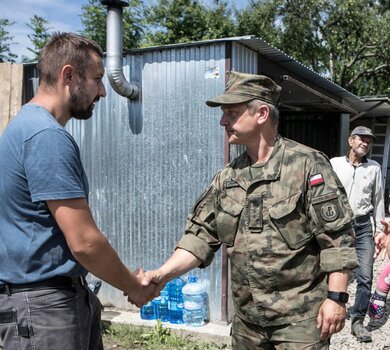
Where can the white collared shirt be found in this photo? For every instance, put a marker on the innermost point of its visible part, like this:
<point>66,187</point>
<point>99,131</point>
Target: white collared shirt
<point>364,186</point>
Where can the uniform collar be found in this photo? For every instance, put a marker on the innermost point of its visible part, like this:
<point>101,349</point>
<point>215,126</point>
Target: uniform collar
<point>270,169</point>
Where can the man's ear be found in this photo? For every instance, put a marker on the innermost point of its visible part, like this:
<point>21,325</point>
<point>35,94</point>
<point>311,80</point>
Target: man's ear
<point>262,114</point>
<point>67,74</point>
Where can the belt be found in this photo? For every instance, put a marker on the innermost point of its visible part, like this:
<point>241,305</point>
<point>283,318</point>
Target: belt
<point>361,219</point>
<point>55,282</point>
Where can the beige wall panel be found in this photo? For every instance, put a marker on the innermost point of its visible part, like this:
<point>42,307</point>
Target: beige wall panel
<point>11,89</point>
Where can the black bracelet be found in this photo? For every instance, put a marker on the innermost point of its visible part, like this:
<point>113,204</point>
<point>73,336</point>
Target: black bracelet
<point>341,297</point>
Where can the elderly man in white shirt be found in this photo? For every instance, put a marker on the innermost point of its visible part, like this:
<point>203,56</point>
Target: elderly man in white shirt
<point>363,182</point>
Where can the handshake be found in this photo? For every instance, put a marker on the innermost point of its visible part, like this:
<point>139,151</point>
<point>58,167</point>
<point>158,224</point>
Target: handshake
<point>145,287</point>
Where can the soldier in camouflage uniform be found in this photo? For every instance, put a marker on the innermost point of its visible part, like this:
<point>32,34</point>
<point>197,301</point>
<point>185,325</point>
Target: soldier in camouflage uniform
<point>286,221</point>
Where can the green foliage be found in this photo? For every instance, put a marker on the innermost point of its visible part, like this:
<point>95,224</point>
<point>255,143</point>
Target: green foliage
<point>5,40</point>
<point>160,335</point>
<point>124,336</point>
<point>133,24</point>
<point>346,40</point>
<point>158,338</point>
<point>301,37</point>
<point>94,18</point>
<point>39,37</point>
<point>260,18</point>
<point>219,22</point>
<point>174,21</point>
<point>357,34</point>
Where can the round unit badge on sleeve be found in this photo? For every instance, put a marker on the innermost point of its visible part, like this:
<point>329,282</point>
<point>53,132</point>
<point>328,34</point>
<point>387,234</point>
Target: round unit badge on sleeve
<point>329,212</point>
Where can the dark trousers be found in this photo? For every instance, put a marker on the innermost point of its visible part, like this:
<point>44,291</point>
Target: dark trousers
<point>365,249</point>
<point>64,318</point>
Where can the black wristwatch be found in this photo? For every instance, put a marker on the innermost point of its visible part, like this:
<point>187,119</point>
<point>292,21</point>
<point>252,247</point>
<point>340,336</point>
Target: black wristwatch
<point>341,297</point>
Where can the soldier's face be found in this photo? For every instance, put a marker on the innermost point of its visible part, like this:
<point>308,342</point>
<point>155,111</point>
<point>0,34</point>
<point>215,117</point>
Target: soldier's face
<point>241,127</point>
<point>360,145</point>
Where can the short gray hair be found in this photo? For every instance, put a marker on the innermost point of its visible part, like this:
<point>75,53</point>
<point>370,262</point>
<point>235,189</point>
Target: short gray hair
<point>274,111</point>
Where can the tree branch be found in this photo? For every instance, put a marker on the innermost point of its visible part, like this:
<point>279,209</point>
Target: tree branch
<point>367,72</point>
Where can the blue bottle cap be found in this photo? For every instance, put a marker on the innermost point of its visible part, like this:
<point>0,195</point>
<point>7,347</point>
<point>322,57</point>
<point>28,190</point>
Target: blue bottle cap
<point>192,279</point>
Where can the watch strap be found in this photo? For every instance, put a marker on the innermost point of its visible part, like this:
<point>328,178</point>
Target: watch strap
<point>341,297</point>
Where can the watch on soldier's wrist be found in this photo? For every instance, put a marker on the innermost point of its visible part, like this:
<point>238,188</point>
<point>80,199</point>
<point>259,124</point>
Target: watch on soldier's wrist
<point>341,297</point>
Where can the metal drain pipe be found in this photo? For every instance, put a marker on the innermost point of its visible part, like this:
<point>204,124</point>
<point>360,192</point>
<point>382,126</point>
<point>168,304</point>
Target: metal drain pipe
<point>114,61</point>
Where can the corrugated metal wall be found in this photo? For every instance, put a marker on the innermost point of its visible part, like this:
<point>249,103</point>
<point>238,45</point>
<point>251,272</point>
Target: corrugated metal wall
<point>148,160</point>
<point>244,59</point>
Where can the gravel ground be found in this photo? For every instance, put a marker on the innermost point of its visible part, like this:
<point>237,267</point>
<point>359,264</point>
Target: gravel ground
<point>380,329</point>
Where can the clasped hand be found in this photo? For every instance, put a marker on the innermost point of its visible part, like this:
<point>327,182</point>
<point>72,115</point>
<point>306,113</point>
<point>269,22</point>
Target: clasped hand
<point>145,289</point>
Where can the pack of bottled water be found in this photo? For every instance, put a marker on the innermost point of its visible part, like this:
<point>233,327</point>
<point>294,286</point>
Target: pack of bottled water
<point>180,302</point>
<point>161,304</point>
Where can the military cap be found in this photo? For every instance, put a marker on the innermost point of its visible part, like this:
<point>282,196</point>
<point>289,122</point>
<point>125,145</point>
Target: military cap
<point>244,87</point>
<point>362,131</point>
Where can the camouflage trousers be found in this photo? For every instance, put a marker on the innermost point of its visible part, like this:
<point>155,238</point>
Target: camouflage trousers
<point>302,335</point>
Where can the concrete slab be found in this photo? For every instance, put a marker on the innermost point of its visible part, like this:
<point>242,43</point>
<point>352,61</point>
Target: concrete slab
<point>218,333</point>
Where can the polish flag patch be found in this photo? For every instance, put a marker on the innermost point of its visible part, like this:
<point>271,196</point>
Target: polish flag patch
<point>316,180</point>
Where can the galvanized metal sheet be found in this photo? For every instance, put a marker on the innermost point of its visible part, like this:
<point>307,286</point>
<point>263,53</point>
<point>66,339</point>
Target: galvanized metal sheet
<point>148,160</point>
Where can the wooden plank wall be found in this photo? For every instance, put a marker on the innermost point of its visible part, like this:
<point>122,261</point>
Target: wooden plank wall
<point>11,91</point>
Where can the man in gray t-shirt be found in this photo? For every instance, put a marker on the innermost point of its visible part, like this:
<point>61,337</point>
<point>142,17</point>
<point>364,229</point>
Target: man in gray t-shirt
<point>48,237</point>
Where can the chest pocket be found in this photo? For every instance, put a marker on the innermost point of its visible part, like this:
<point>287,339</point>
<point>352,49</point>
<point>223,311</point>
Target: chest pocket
<point>228,213</point>
<point>290,221</point>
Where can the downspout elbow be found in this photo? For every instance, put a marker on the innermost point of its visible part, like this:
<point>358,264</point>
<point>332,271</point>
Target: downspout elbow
<point>114,62</point>
<point>117,79</point>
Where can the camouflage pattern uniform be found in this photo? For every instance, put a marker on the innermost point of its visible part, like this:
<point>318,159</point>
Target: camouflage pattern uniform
<point>286,222</point>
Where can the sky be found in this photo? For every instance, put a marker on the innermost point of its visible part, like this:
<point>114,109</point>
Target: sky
<point>62,15</point>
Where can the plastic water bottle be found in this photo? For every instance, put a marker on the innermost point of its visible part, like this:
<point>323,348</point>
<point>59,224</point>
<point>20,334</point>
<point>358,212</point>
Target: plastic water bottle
<point>194,306</point>
<point>161,305</point>
<point>148,311</point>
<point>175,304</point>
